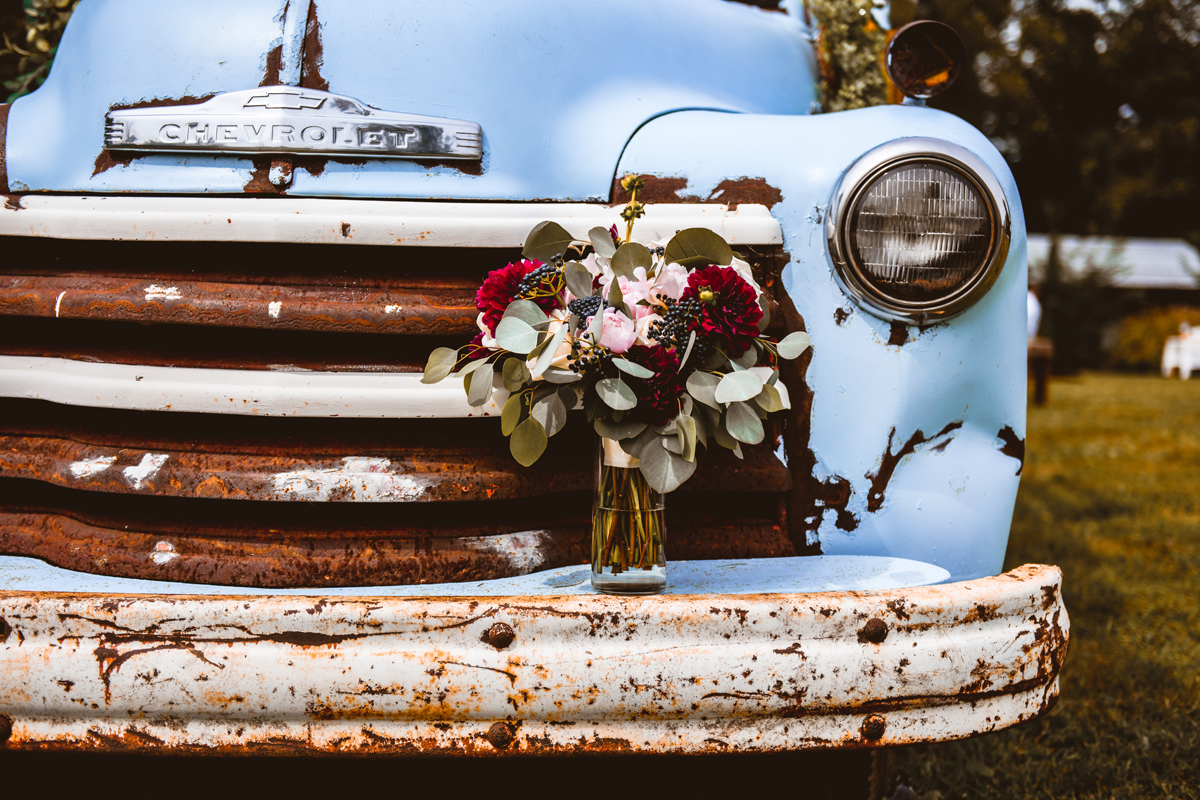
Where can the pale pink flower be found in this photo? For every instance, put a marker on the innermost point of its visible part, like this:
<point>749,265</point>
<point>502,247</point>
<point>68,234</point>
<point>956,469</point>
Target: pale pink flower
<point>619,331</point>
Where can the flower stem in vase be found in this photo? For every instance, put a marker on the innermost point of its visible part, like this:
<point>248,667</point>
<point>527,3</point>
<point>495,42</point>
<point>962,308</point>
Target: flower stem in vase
<point>628,529</point>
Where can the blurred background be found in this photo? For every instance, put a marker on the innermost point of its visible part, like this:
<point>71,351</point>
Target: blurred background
<point>1095,104</point>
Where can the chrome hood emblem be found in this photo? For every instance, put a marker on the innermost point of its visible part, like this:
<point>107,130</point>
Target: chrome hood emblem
<point>287,119</point>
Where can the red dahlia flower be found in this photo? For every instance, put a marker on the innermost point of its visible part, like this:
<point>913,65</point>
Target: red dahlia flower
<point>658,395</point>
<point>501,287</point>
<point>729,312</point>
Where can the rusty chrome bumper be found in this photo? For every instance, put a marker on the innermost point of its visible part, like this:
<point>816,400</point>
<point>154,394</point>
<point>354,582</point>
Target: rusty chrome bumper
<point>547,673</point>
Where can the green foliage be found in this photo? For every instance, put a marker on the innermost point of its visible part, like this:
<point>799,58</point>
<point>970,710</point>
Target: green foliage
<point>851,54</point>
<point>694,247</point>
<point>1108,494</point>
<point>1141,337</point>
<point>31,31</point>
<point>546,240</point>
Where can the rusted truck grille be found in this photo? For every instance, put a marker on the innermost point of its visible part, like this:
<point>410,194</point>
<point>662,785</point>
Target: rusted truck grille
<point>238,499</point>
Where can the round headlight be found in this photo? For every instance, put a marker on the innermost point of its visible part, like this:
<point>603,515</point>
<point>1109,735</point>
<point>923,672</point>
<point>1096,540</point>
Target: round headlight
<point>918,230</point>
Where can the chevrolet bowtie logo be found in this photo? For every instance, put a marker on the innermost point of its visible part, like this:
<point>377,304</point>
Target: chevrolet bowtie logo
<point>290,100</point>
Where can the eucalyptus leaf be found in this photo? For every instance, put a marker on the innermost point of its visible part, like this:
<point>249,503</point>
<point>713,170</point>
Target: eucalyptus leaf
<point>481,385</point>
<point>569,397</point>
<point>596,327</point>
<point>673,443</point>
<point>628,257</point>
<point>516,336</point>
<point>698,246</point>
<point>602,242</point>
<point>551,412</point>
<point>764,305</point>
<point>691,343</point>
<point>616,394</point>
<point>615,298</point>
<point>702,387</point>
<point>440,364</point>
<point>701,430</point>
<point>618,430</point>
<point>556,375</point>
<point>525,310</point>
<point>546,240</point>
<point>510,415</point>
<point>792,345</point>
<point>514,374</point>
<point>471,367</point>
<point>528,442</point>
<point>549,352</point>
<point>579,280</point>
<point>687,430</point>
<point>769,400</point>
<point>721,435</point>
<point>738,386</point>
<point>636,370</point>
<point>685,404</point>
<point>634,445</point>
<point>747,359</point>
<point>743,424</point>
<point>664,470</point>
<point>670,429</point>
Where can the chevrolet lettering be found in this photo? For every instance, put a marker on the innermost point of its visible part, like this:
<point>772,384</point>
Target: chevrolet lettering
<point>283,119</point>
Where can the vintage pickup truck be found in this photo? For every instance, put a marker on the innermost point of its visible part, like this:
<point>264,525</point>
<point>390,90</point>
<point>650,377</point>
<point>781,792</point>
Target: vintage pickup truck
<point>233,518</point>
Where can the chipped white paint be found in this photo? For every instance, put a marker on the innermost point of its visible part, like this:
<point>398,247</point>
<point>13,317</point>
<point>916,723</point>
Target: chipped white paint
<point>237,391</point>
<point>375,222</point>
<point>87,467</point>
<point>156,292</point>
<point>164,553</point>
<point>138,476</point>
<point>273,309</point>
<point>524,551</point>
<point>58,302</point>
<point>359,479</point>
<point>392,309</point>
<point>699,671</point>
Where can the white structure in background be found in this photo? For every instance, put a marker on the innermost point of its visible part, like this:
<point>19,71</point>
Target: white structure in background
<point>1033,314</point>
<point>1181,353</point>
<point>1130,263</point>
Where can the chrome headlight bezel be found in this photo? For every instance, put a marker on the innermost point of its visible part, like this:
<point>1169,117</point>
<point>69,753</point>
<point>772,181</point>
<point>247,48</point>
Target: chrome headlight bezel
<point>851,276</point>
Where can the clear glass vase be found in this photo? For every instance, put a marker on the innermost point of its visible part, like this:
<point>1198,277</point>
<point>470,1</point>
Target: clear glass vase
<point>628,528</point>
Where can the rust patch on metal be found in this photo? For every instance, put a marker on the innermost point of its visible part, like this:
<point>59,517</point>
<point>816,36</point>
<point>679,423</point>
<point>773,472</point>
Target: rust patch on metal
<point>498,636</point>
<point>4,108</point>
<point>5,729</point>
<point>500,735</point>
<point>873,727</point>
<point>840,315</point>
<point>274,61</point>
<point>109,159</point>
<point>731,191</point>
<point>260,175</point>
<point>312,56</point>
<point>899,335</point>
<point>875,631</point>
<point>811,497</point>
<point>12,202</point>
<point>1012,445</point>
<point>889,461</point>
<point>5,630</point>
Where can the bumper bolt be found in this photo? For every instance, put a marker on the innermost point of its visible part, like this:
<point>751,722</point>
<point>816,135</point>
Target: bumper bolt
<point>498,636</point>
<point>500,735</point>
<point>873,727</point>
<point>875,631</point>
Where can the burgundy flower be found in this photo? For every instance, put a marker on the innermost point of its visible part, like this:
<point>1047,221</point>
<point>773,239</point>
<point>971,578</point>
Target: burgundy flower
<point>658,396</point>
<point>616,237</point>
<point>475,348</point>
<point>501,287</point>
<point>729,312</point>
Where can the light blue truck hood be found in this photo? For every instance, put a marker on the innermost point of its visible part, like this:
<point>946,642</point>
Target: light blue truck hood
<point>558,88</point>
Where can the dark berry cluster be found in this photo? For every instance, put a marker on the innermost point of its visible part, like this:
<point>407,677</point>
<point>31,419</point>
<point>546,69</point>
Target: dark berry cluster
<point>545,281</point>
<point>676,326</point>
<point>584,358</point>
<point>584,307</point>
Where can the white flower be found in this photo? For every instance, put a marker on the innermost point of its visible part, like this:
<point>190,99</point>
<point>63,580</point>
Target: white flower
<point>643,330</point>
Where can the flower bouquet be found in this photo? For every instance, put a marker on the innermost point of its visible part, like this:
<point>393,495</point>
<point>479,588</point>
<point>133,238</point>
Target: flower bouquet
<point>660,343</point>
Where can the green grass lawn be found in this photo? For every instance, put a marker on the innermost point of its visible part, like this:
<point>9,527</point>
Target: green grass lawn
<point>1111,494</point>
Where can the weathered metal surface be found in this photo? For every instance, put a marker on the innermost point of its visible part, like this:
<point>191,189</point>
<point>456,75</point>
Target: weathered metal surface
<point>371,675</point>
<point>377,222</point>
<point>419,310</point>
